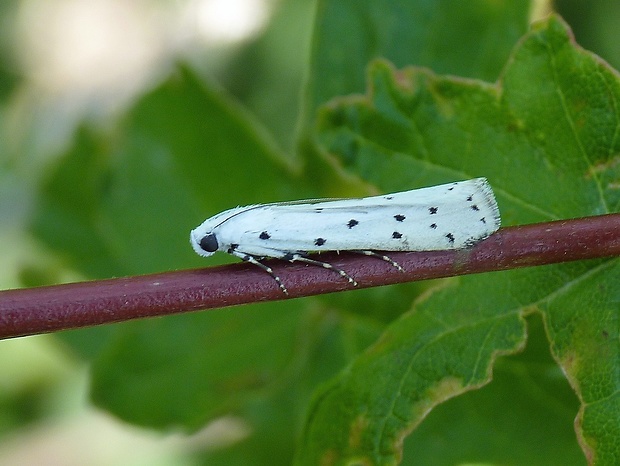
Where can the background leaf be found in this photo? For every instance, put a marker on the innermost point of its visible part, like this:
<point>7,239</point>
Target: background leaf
<point>470,39</point>
<point>555,138</point>
<point>123,197</point>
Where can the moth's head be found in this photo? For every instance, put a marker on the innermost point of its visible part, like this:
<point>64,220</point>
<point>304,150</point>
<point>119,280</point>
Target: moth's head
<point>207,237</point>
<point>204,244</point>
<point>204,240</point>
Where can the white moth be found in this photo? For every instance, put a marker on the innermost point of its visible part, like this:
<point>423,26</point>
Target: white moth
<point>449,216</point>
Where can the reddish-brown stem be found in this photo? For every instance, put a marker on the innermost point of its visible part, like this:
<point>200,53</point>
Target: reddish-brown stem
<point>74,305</point>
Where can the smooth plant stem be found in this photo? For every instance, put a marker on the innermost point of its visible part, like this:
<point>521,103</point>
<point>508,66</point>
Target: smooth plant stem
<point>60,307</point>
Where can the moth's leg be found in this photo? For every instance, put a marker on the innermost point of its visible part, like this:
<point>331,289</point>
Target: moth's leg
<point>266,268</point>
<point>382,257</point>
<point>325,265</point>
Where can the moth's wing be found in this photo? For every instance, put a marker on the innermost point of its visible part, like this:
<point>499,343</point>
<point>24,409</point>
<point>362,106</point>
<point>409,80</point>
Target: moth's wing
<point>441,217</point>
<point>478,189</point>
<point>281,230</point>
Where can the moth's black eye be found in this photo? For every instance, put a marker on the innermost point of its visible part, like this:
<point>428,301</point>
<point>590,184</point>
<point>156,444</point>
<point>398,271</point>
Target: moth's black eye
<point>209,243</point>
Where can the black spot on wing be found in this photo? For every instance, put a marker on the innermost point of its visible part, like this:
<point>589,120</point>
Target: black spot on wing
<point>470,198</point>
<point>389,198</point>
<point>397,235</point>
<point>320,241</point>
<point>264,235</point>
<point>483,220</point>
<point>450,237</point>
<point>434,226</point>
<point>433,210</point>
<point>475,208</point>
<point>352,223</point>
<point>399,217</point>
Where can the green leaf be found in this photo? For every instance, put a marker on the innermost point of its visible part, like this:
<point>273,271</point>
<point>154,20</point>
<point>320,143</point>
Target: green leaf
<point>126,207</point>
<point>462,38</point>
<point>325,342</point>
<point>186,370</point>
<point>124,204</point>
<point>546,135</point>
<point>104,204</point>
<point>259,364</point>
<point>581,318</point>
<point>528,402</point>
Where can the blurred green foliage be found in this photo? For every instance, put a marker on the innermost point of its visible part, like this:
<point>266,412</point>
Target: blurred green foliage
<point>120,198</point>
